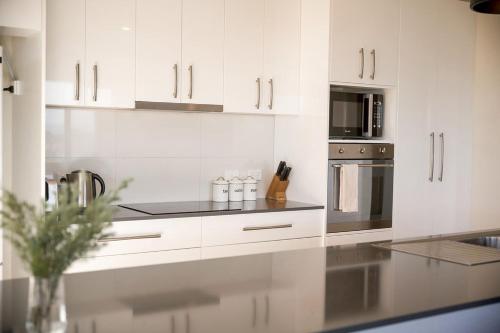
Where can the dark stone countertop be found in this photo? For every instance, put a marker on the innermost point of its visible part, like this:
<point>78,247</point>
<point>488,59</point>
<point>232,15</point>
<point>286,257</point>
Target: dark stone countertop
<point>208,208</point>
<point>336,289</point>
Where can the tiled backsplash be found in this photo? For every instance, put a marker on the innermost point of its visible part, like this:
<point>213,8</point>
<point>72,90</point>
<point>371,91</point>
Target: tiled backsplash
<point>171,156</point>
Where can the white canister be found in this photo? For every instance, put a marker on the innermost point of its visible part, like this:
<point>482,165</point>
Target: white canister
<point>235,189</point>
<point>220,190</point>
<point>250,189</point>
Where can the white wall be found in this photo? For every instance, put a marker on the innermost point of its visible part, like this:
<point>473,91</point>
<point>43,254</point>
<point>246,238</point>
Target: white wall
<point>20,17</point>
<point>303,140</point>
<point>486,157</point>
<point>172,156</point>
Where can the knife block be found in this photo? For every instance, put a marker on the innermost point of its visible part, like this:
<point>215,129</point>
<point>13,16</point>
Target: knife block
<point>277,189</point>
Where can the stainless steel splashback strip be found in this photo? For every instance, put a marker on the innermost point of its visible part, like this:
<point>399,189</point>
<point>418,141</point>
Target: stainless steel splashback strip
<point>143,105</point>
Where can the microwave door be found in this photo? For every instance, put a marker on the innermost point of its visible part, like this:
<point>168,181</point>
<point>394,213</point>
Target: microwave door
<point>368,116</point>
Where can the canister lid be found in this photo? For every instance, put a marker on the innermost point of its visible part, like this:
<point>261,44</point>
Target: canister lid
<point>235,180</point>
<point>220,181</point>
<point>250,180</point>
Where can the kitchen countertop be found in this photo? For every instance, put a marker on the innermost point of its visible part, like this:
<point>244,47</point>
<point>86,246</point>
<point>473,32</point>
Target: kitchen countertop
<point>335,289</point>
<point>210,208</point>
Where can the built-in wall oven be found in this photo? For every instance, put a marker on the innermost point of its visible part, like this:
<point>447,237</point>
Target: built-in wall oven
<point>360,186</point>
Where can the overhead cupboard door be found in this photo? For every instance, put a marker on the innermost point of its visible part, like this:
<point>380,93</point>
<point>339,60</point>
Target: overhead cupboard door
<point>202,51</point>
<point>110,53</point>
<point>158,50</point>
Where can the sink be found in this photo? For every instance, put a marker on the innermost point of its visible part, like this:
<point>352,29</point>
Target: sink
<point>487,241</point>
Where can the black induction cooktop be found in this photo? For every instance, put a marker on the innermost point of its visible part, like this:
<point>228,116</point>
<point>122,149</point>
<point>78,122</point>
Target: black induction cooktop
<point>183,207</point>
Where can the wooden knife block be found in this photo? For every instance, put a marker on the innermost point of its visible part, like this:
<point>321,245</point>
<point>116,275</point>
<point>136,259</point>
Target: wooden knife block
<point>277,189</point>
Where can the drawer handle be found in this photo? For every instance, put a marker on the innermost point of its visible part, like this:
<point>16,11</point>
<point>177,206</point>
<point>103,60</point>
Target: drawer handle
<point>128,237</point>
<point>279,226</point>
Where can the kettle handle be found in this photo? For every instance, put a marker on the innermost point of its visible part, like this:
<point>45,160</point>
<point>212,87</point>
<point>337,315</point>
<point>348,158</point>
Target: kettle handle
<point>95,177</point>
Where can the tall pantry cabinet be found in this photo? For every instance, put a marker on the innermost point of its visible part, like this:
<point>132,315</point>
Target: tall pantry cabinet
<point>433,145</point>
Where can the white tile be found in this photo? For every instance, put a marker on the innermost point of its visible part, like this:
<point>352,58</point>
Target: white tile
<point>91,133</point>
<point>56,167</point>
<point>104,167</point>
<point>157,134</point>
<point>237,135</point>
<point>159,179</point>
<point>211,168</point>
<point>55,133</point>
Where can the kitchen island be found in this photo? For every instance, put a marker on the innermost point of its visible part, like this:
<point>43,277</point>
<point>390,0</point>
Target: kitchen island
<point>336,289</point>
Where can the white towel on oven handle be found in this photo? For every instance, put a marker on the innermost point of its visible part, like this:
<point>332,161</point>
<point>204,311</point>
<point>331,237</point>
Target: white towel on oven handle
<point>348,200</point>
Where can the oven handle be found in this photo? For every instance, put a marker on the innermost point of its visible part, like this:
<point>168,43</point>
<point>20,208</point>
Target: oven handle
<point>368,166</point>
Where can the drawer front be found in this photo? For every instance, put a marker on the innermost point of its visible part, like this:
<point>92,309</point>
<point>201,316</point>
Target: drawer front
<point>151,235</point>
<point>251,228</point>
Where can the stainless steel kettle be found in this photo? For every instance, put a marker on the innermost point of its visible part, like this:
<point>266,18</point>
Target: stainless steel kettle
<point>87,190</point>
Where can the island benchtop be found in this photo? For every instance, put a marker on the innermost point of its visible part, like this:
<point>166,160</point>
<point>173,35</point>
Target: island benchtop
<point>206,208</point>
<point>334,289</point>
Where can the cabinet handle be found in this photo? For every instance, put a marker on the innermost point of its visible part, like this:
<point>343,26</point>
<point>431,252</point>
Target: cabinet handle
<point>441,171</point>
<point>271,96</point>
<point>77,81</point>
<point>254,315</point>
<point>128,237</point>
<point>190,69</point>
<point>176,80</point>
<point>431,165</point>
<point>266,318</point>
<point>257,106</point>
<point>267,227</point>
<point>95,83</point>
<point>374,65</point>
<point>94,326</point>
<point>362,72</point>
<point>188,323</point>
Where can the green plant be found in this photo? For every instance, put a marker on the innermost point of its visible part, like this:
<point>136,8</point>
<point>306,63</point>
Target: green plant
<point>49,242</point>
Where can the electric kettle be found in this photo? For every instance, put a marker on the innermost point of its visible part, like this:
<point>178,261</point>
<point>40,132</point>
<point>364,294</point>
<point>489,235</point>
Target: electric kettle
<point>86,185</point>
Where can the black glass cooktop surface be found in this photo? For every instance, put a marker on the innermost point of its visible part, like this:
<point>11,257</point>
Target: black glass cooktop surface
<point>183,207</point>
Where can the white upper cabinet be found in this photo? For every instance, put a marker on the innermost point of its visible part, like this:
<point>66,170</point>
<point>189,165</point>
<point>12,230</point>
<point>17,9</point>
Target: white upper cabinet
<point>243,56</point>
<point>90,53</point>
<point>65,52</point>
<point>262,56</point>
<point>364,41</point>
<point>158,50</point>
<point>202,70</point>
<point>282,56</point>
<point>110,53</point>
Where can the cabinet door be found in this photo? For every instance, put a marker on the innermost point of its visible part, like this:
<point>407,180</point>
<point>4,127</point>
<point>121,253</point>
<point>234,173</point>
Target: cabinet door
<point>202,51</point>
<point>364,41</point>
<point>282,56</point>
<point>413,207</point>
<point>453,116</point>
<point>110,43</point>
<point>243,56</point>
<point>158,50</point>
<point>381,37</point>
<point>347,52</point>
<point>65,52</point>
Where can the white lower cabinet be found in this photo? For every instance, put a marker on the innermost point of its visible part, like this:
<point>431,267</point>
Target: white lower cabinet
<point>250,228</point>
<point>161,241</point>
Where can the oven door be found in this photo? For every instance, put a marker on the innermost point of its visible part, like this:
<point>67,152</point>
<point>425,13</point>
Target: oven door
<point>375,189</point>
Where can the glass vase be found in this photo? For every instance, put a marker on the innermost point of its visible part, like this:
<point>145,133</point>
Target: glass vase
<point>46,307</point>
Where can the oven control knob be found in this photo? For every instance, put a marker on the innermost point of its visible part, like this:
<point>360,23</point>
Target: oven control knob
<point>363,150</point>
<point>341,150</point>
<point>382,150</point>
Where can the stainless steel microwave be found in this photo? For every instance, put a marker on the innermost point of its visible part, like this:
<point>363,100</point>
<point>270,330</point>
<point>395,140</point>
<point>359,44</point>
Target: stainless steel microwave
<point>356,114</point>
